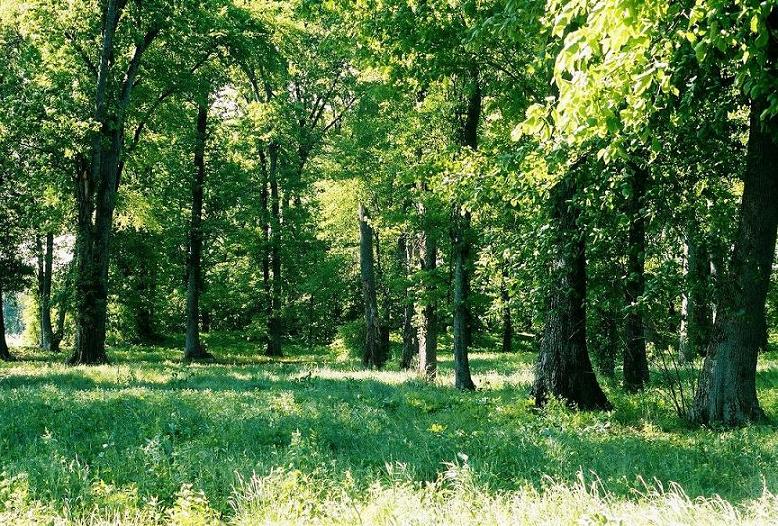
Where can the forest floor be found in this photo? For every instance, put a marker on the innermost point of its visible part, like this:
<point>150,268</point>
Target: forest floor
<point>313,439</point>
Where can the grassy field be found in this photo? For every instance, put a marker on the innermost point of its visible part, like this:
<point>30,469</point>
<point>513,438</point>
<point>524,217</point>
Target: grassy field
<point>315,440</point>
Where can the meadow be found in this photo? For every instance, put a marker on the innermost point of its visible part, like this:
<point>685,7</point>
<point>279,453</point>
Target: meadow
<point>314,439</point>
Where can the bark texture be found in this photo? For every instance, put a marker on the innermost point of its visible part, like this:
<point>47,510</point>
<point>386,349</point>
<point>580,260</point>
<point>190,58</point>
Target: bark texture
<point>373,348</point>
<point>193,348</point>
<point>726,394</point>
<point>97,181</point>
<point>635,360</point>
<point>461,248</point>
<point>461,251</point>
<point>564,369</point>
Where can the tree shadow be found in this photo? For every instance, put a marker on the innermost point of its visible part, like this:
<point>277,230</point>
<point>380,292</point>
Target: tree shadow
<point>158,425</point>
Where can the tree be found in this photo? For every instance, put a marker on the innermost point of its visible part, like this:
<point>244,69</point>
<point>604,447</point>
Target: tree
<point>564,369</point>
<point>193,349</point>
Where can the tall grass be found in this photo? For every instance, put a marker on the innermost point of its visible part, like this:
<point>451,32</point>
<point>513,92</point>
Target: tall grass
<point>315,440</point>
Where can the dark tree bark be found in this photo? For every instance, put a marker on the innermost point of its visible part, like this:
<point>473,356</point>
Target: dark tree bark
<point>507,321</point>
<point>461,248</point>
<point>410,343</point>
<point>372,350</point>
<point>264,214</point>
<point>5,354</point>
<point>726,393</point>
<point>428,324</point>
<point>97,182</point>
<point>193,348</point>
<point>564,369</point>
<point>635,360</point>
<point>696,307</point>
<point>274,319</point>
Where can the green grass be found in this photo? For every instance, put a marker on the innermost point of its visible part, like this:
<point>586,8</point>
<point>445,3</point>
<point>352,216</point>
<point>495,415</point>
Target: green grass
<point>314,439</point>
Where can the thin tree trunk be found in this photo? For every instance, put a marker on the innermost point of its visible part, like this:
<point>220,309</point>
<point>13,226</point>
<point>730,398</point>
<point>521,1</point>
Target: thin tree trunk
<point>372,350</point>
<point>697,318</point>
<point>264,215</point>
<point>428,325</point>
<point>274,320</point>
<point>5,354</point>
<point>193,349</point>
<point>507,321</point>
<point>461,246</point>
<point>41,272</point>
<point>635,360</point>
<point>726,393</point>
<point>461,241</point>
<point>564,369</point>
<point>47,334</point>
<point>410,344</point>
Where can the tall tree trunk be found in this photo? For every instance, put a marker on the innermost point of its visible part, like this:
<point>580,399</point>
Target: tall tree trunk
<point>726,393</point>
<point>5,354</point>
<point>97,182</point>
<point>385,301</point>
<point>410,343</point>
<point>635,360</point>
<point>41,273</point>
<point>264,214</point>
<point>428,324</point>
<point>461,241</point>
<point>461,246</point>
<point>193,349</point>
<point>372,352</point>
<point>564,369</point>
<point>507,321</point>
<point>697,314</point>
<point>274,320</point>
<point>47,332</point>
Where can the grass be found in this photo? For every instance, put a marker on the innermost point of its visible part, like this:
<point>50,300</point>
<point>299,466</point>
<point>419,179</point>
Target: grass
<point>314,439</point>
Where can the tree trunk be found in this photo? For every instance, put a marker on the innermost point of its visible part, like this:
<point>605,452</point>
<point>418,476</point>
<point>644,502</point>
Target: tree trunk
<point>564,369</point>
<point>507,322</point>
<point>372,350</point>
<point>41,272</point>
<point>264,214</point>
<point>635,360</point>
<point>97,182</point>
<point>47,332</point>
<point>5,354</point>
<point>697,314</point>
<point>410,344</point>
<point>726,393</point>
<point>193,349</point>
<point>461,246</point>
<point>274,320</point>
<point>428,324</point>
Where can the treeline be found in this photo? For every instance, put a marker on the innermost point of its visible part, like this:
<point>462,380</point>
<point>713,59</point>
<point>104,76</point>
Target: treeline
<point>595,177</point>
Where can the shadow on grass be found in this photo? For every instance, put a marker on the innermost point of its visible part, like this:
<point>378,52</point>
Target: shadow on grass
<point>154,423</point>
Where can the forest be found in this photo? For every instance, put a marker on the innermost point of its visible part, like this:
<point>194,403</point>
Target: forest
<point>388,262</point>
